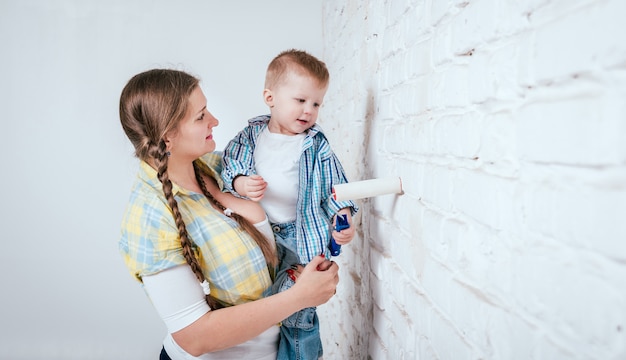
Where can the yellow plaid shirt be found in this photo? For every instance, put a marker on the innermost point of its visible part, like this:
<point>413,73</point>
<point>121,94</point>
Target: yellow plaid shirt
<point>230,259</point>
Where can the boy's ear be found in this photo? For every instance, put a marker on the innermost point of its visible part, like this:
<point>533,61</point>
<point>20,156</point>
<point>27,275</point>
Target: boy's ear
<point>268,97</point>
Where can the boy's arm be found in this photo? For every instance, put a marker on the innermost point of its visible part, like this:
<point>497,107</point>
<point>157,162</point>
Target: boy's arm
<point>333,175</point>
<point>337,176</point>
<point>237,160</point>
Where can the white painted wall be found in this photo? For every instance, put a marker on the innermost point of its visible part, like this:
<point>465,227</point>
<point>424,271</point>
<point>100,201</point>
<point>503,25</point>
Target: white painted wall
<point>507,122</point>
<point>67,166</point>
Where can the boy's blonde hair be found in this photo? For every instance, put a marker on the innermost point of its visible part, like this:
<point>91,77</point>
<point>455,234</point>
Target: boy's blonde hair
<point>297,61</point>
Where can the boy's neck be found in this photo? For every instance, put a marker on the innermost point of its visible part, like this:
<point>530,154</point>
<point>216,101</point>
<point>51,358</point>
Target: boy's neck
<point>274,130</point>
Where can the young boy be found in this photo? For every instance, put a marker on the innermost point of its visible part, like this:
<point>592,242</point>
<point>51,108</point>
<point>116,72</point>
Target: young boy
<point>284,161</point>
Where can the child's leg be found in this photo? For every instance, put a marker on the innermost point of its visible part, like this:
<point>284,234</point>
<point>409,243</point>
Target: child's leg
<point>299,333</point>
<point>285,236</point>
<point>300,337</point>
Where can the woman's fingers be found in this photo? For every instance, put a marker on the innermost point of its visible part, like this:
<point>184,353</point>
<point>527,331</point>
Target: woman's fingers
<point>325,265</point>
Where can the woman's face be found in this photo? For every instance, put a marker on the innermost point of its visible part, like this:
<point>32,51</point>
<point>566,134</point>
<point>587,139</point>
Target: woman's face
<point>194,135</point>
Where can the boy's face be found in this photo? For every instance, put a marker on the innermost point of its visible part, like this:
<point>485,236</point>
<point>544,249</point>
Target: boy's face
<point>294,103</point>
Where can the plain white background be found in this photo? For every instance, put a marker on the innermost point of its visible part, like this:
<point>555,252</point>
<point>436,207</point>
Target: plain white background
<point>67,166</point>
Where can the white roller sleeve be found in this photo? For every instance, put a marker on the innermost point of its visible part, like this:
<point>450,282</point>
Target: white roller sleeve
<point>367,188</point>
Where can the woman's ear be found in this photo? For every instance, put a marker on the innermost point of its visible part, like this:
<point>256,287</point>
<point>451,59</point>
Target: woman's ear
<point>268,97</point>
<point>167,140</point>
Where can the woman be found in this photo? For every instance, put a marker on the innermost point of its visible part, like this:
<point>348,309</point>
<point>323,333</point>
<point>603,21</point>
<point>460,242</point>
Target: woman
<point>183,238</point>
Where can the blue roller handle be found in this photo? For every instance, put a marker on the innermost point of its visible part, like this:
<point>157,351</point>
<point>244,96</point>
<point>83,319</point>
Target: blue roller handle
<point>342,223</point>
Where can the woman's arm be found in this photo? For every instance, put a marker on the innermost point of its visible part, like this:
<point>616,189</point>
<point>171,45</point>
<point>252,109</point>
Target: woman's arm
<point>177,296</point>
<point>224,328</point>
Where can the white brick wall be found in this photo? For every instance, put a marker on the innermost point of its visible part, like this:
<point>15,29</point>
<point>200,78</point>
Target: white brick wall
<point>507,122</point>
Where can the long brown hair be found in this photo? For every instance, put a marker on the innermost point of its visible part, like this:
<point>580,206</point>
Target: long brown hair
<point>151,105</point>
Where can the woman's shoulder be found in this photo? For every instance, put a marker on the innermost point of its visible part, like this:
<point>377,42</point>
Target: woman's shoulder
<point>212,165</point>
<point>149,237</point>
<point>212,160</point>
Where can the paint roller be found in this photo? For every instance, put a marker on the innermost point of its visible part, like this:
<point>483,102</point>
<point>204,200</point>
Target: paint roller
<point>359,190</point>
<point>367,188</point>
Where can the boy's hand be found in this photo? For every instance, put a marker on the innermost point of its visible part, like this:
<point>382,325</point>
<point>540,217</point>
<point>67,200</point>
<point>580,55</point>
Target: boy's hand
<point>344,236</point>
<point>252,186</point>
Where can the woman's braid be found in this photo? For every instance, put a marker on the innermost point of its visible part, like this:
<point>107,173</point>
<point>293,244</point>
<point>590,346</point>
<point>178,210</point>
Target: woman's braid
<point>185,241</point>
<point>268,251</point>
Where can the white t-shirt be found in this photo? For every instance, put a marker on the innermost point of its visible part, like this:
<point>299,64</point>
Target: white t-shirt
<point>277,160</point>
<point>262,347</point>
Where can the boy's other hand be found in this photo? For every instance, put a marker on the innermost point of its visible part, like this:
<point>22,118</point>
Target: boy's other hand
<point>252,186</point>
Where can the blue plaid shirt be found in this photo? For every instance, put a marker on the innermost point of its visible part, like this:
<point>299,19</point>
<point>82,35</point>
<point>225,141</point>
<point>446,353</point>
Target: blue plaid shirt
<point>319,171</point>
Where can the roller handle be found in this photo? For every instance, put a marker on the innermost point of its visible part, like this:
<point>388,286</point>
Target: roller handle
<point>342,223</point>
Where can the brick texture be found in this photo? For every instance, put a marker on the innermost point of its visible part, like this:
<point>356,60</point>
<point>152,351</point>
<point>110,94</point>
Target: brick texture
<point>507,123</point>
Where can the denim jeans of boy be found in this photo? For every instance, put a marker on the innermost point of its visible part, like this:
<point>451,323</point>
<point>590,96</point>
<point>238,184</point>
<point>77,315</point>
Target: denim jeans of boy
<point>300,332</point>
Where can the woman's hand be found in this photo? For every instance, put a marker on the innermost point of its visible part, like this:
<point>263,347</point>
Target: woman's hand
<point>296,270</point>
<point>317,282</point>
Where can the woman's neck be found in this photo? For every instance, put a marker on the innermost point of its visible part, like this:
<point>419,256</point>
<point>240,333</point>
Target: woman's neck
<point>183,175</point>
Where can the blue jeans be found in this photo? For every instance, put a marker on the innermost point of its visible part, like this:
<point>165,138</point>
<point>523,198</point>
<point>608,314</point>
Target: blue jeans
<point>300,332</point>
